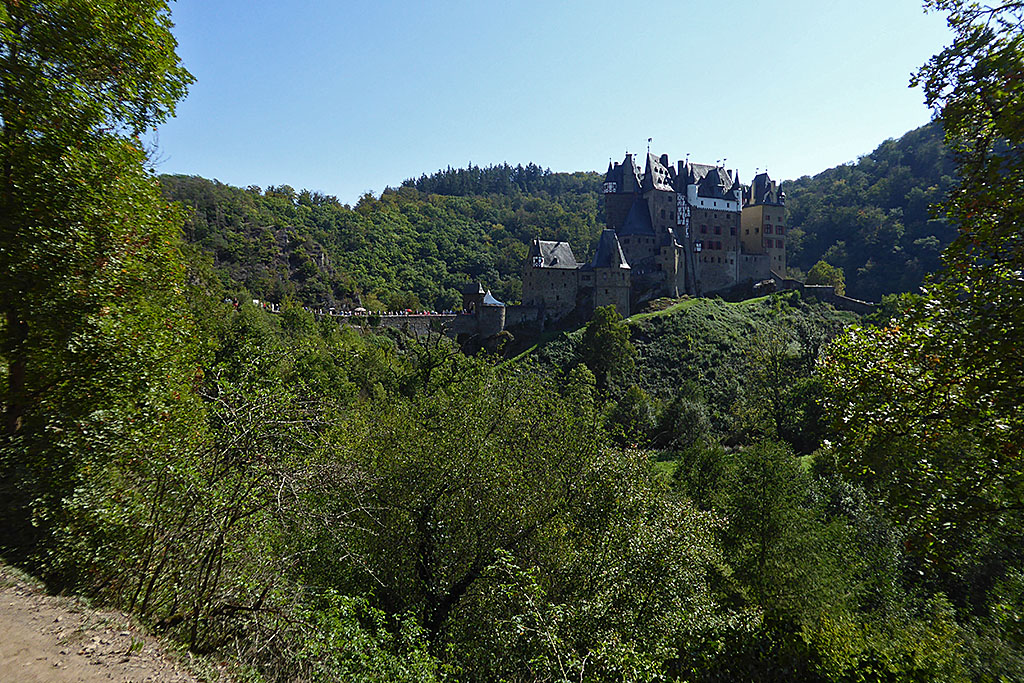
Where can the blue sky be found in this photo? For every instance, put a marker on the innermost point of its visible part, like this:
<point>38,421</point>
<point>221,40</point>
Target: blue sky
<point>349,97</point>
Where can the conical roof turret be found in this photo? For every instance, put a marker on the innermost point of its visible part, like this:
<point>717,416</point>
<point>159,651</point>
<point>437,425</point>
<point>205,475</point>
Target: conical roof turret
<point>609,252</point>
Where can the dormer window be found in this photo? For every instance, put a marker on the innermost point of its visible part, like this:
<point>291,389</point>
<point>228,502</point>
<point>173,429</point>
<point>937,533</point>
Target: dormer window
<point>538,261</point>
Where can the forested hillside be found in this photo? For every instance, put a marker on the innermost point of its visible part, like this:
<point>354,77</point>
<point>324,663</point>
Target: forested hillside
<point>874,218</point>
<point>407,249</point>
<point>413,246</point>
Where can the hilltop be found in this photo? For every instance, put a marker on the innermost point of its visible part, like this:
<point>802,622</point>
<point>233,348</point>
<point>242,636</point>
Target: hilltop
<point>722,348</point>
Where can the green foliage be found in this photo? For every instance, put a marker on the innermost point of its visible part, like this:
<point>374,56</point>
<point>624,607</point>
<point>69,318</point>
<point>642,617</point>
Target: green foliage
<point>605,347</point>
<point>770,535</point>
<point>824,273</point>
<point>633,419</point>
<point>332,504</point>
<point>710,343</point>
<point>926,407</point>
<point>684,422</point>
<point>874,218</point>
<point>94,336</point>
<point>408,249</point>
<point>700,470</point>
<point>627,589</point>
<point>344,638</point>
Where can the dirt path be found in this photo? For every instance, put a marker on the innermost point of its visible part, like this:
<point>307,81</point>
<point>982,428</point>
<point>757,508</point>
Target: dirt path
<point>54,639</point>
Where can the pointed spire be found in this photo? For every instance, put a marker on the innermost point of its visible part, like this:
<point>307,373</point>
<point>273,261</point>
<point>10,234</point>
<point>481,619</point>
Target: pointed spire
<point>609,252</point>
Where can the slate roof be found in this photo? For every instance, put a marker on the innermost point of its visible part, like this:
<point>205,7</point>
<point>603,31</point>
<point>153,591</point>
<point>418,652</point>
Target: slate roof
<point>764,191</point>
<point>696,172</point>
<point>713,182</point>
<point>472,288</point>
<point>556,254</point>
<point>609,253</point>
<point>617,173</point>
<point>657,175</point>
<point>638,220</point>
<point>614,174</point>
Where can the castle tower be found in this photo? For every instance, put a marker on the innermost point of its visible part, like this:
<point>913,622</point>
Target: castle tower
<point>490,316</point>
<point>713,198</point>
<point>658,190</point>
<point>764,222</point>
<point>621,188</point>
<point>611,274</point>
<point>472,296</point>
<point>638,238</point>
<point>550,278</point>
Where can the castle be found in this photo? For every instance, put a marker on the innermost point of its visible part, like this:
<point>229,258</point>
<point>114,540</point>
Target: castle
<point>671,230</point>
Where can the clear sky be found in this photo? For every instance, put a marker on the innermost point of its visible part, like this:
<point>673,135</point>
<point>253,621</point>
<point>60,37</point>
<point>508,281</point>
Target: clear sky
<point>346,97</point>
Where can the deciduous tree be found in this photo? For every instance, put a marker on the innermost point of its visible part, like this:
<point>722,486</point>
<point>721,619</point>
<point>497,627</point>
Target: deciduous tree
<point>90,270</point>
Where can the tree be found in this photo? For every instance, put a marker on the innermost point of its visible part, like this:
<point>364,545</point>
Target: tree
<point>927,408</point>
<point>769,534</point>
<point>90,271</point>
<point>632,421</point>
<point>824,273</point>
<point>606,348</point>
<point>79,82</point>
<point>976,88</point>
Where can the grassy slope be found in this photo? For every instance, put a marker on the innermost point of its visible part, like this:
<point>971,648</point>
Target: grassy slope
<point>707,341</point>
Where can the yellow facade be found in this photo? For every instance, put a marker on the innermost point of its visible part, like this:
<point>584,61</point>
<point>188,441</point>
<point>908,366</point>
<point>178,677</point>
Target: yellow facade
<point>763,231</point>
<point>751,224</point>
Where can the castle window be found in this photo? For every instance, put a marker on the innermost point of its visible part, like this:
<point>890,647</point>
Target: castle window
<point>718,229</point>
<point>704,229</point>
<point>732,230</point>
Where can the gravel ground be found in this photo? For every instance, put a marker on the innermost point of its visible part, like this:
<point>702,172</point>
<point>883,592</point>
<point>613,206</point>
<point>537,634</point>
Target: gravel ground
<point>58,639</point>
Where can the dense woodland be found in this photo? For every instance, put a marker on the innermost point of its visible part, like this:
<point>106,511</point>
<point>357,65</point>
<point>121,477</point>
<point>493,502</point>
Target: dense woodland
<point>876,219</point>
<point>406,249</point>
<point>708,491</point>
<point>414,246</point>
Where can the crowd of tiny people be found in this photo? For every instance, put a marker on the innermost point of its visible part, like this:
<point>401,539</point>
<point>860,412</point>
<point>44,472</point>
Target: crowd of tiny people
<point>349,312</point>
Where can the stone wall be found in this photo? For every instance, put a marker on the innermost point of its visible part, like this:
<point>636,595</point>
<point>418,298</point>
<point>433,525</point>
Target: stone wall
<point>611,288</point>
<point>827,293</point>
<point>519,315</point>
<point>755,267</point>
<point>553,288</point>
